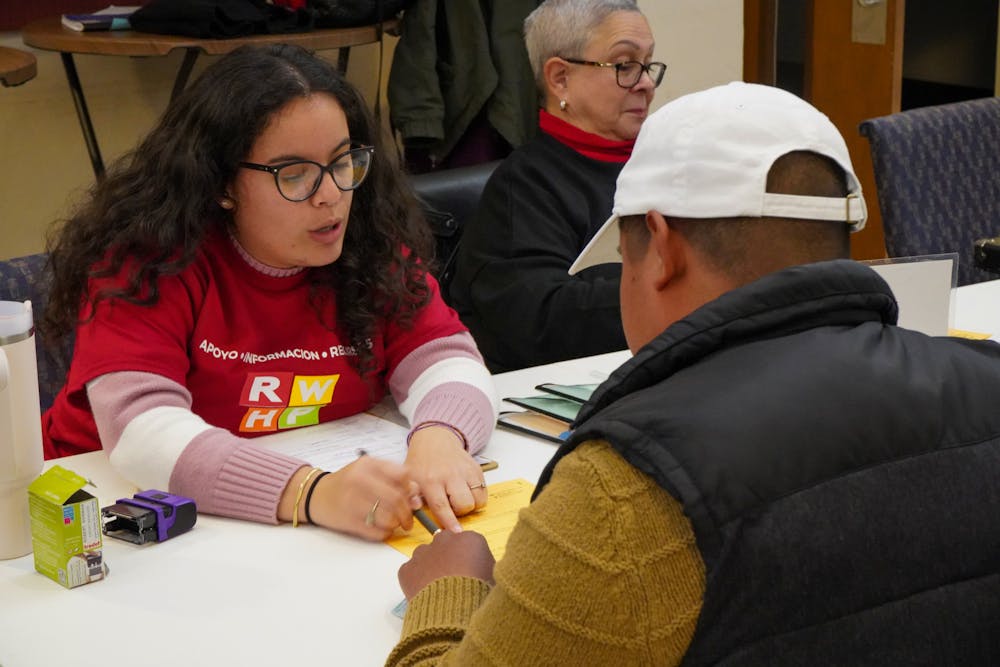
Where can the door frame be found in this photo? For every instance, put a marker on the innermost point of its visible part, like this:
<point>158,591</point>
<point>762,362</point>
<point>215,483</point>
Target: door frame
<point>848,81</point>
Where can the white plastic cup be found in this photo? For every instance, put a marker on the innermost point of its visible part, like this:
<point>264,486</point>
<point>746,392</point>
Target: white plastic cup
<point>21,458</point>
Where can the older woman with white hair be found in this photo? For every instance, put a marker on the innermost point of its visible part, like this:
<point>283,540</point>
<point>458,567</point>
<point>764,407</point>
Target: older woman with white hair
<point>592,61</point>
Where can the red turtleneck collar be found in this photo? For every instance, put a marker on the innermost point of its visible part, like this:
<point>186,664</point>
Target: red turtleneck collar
<point>591,145</point>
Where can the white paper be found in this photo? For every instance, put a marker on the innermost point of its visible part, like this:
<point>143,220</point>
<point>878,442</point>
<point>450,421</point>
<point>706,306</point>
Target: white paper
<point>922,288</point>
<point>114,10</point>
<point>334,444</point>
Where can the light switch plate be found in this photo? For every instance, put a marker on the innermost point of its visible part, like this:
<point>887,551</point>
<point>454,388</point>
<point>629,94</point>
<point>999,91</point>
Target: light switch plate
<point>868,21</point>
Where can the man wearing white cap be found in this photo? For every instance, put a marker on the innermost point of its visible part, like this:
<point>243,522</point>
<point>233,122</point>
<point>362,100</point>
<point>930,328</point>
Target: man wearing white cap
<point>780,475</point>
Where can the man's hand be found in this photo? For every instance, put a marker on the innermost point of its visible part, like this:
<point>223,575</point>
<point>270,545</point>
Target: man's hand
<point>464,554</point>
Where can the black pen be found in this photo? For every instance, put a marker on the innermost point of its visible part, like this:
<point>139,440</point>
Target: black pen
<point>426,521</point>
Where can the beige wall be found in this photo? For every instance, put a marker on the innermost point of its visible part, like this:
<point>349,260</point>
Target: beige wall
<point>44,168</point>
<point>701,41</point>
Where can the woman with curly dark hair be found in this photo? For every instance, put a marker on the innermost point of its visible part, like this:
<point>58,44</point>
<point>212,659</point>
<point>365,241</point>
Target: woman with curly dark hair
<point>256,264</point>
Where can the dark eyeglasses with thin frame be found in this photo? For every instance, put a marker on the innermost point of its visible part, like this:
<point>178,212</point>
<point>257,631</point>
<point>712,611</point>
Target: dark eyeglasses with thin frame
<point>299,180</point>
<point>628,73</point>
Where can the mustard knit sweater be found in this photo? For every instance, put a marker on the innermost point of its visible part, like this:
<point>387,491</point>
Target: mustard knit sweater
<point>601,569</point>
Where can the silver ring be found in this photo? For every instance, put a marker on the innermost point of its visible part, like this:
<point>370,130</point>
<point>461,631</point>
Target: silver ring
<point>370,517</point>
<point>481,485</point>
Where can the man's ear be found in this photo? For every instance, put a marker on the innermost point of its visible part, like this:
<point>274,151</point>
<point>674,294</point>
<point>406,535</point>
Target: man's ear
<point>669,248</point>
<point>555,71</point>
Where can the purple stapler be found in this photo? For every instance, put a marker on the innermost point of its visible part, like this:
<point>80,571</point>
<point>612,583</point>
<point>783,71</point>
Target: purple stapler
<point>149,516</point>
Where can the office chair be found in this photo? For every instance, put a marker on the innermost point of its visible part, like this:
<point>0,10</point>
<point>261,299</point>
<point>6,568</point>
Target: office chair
<point>449,198</point>
<point>27,278</point>
<point>937,172</point>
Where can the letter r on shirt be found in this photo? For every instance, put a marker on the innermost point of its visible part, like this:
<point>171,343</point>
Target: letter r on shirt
<point>266,390</point>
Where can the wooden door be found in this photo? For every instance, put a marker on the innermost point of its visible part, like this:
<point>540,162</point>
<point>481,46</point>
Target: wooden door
<point>853,64</point>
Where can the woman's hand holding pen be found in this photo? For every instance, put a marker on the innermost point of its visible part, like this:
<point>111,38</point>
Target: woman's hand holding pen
<point>450,480</point>
<point>368,498</point>
<point>448,555</point>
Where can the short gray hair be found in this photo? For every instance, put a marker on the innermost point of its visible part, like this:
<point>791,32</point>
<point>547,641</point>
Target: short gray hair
<point>563,28</point>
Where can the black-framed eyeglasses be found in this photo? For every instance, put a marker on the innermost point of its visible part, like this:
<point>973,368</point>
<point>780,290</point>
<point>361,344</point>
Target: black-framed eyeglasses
<point>299,180</point>
<point>629,72</point>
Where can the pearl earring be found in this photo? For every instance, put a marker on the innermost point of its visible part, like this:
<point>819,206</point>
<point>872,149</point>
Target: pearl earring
<point>227,203</point>
<point>562,105</point>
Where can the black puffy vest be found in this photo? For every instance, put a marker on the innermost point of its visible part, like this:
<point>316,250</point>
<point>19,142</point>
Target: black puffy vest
<point>842,475</point>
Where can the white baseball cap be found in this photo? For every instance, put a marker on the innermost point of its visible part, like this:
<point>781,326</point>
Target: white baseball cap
<point>707,155</point>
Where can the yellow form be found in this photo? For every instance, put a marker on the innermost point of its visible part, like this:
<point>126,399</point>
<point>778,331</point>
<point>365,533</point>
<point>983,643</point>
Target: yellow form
<point>495,521</point>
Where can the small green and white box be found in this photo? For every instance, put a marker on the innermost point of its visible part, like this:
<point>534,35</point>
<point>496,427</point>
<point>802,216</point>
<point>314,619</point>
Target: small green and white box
<point>65,528</point>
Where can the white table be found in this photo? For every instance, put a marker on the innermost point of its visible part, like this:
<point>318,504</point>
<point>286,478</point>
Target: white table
<point>238,593</point>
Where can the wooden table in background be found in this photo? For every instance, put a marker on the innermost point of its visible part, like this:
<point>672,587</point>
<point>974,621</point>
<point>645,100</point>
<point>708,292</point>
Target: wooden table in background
<point>49,34</point>
<point>16,66</point>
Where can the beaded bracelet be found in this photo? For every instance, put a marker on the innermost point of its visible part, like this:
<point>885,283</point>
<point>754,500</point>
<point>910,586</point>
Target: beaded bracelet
<point>310,494</point>
<point>421,426</point>
<point>298,497</point>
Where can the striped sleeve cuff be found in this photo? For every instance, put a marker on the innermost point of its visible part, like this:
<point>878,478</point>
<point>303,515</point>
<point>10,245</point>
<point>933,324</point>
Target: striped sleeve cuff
<point>461,406</point>
<point>243,482</point>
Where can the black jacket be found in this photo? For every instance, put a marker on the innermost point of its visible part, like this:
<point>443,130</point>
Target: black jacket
<point>841,474</point>
<point>538,211</point>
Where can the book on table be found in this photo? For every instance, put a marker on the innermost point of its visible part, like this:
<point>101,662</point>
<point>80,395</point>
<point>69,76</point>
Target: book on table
<point>576,392</point>
<point>112,17</point>
<point>557,407</point>
<point>548,416</point>
<point>533,423</point>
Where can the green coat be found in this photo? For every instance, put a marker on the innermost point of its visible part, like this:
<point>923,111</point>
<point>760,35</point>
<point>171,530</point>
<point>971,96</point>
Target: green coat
<point>454,59</point>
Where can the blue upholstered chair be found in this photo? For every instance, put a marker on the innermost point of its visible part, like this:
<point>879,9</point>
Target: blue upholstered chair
<point>937,171</point>
<point>27,278</point>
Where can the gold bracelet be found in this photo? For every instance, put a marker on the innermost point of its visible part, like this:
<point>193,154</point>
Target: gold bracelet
<point>298,497</point>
